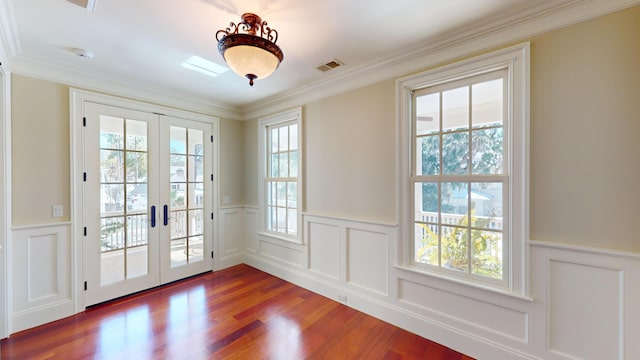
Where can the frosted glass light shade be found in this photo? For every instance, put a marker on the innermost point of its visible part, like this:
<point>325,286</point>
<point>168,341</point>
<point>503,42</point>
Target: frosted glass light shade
<point>247,60</point>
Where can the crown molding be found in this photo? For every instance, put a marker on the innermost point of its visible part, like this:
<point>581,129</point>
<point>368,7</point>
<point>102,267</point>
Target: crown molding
<point>8,34</point>
<point>109,84</point>
<point>500,31</point>
<point>465,42</point>
<point>10,55</point>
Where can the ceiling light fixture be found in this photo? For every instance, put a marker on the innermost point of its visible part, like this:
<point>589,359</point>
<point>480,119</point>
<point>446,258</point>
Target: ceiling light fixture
<point>253,55</point>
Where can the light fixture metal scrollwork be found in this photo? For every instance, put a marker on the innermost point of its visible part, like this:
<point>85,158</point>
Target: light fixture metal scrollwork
<point>253,54</point>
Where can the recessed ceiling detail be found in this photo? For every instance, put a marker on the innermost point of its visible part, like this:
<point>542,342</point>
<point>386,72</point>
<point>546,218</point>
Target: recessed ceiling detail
<point>204,66</point>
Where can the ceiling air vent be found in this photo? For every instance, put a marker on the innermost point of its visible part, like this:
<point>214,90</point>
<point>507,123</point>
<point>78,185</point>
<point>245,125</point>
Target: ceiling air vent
<point>330,65</point>
<point>90,5</point>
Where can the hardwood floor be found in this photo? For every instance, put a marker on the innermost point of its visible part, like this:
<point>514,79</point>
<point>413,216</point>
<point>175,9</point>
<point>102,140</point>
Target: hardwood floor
<point>236,313</point>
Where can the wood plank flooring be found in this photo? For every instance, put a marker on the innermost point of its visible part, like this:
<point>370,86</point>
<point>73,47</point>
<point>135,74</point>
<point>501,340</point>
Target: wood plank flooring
<point>236,313</point>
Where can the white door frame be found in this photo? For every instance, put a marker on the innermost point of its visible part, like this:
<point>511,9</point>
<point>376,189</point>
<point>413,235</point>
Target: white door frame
<point>5,196</point>
<point>77,100</point>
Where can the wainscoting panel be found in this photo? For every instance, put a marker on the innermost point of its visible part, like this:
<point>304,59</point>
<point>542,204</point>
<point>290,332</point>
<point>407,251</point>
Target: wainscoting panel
<point>279,251</point>
<point>231,234</point>
<point>591,298</point>
<point>250,227</point>
<point>43,267</point>
<point>324,252</point>
<point>463,311</point>
<point>368,260</point>
<point>42,275</point>
<point>584,301</point>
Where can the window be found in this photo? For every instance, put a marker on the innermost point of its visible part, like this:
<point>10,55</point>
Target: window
<point>280,168</point>
<point>463,133</point>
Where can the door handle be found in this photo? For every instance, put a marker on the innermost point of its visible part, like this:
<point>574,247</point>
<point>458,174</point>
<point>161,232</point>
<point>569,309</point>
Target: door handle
<point>153,216</point>
<point>166,215</point>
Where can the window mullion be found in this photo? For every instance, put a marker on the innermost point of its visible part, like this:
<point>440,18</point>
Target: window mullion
<point>439,225</point>
<point>470,172</point>
<point>440,173</point>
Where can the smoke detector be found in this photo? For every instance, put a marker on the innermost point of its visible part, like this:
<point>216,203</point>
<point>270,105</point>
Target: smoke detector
<point>83,53</point>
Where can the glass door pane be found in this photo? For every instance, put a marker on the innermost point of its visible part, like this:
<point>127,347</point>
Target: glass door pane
<point>123,199</point>
<point>186,195</point>
<point>187,190</point>
<point>121,245</point>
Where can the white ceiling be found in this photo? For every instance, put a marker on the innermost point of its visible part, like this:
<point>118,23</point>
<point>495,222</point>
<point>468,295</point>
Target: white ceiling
<point>141,43</point>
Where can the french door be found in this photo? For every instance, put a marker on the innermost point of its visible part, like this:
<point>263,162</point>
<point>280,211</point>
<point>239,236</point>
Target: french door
<point>146,200</point>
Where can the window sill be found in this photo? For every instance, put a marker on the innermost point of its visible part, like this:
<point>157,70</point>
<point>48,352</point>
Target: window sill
<point>276,236</point>
<point>452,279</point>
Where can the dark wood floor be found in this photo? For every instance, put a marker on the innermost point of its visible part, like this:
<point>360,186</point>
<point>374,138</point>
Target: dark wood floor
<point>237,313</point>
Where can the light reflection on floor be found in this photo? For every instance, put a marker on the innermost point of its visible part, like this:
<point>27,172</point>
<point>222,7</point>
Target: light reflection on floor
<point>187,321</point>
<point>187,324</point>
<point>119,334</point>
<point>284,339</point>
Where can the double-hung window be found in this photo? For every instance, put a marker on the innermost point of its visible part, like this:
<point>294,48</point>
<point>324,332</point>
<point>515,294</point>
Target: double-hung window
<point>464,139</point>
<point>280,181</point>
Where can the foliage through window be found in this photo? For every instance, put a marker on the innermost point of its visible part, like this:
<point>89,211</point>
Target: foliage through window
<point>460,175</point>
<point>281,169</point>
<point>463,161</point>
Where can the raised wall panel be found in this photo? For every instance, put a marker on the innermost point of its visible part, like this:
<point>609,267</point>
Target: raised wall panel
<point>281,252</point>
<point>368,260</point>
<point>585,310</point>
<point>464,311</point>
<point>42,275</point>
<point>324,254</point>
<point>42,253</point>
<point>250,229</point>
<point>231,237</point>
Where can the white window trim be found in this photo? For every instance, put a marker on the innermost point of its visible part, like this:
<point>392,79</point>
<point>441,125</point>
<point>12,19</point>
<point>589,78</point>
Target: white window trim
<point>294,115</point>
<point>516,60</point>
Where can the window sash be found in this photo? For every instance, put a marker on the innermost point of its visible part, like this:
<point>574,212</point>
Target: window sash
<point>463,232</point>
<point>515,59</point>
<point>280,180</point>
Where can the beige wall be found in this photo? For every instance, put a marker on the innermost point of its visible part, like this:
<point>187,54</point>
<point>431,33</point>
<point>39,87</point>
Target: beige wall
<point>231,162</point>
<point>585,124</point>
<point>39,150</point>
<point>349,142</point>
<point>251,162</point>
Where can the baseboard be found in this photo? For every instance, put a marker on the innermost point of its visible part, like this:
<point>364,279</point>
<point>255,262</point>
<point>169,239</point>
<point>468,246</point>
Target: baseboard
<point>23,320</point>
